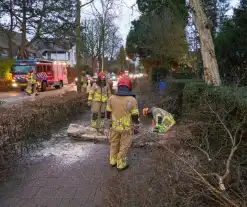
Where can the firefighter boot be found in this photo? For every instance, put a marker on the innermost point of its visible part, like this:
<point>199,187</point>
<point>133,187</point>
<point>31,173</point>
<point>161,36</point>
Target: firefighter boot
<point>113,161</point>
<point>122,163</point>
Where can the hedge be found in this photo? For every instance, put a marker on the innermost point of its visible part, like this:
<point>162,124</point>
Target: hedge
<point>36,118</point>
<point>5,67</point>
<point>211,114</point>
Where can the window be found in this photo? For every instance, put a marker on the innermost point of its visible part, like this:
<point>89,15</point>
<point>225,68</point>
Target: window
<point>39,68</point>
<point>44,68</point>
<point>48,68</point>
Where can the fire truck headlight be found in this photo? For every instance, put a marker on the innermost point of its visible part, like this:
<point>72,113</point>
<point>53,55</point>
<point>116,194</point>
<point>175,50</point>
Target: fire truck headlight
<point>13,81</point>
<point>14,84</point>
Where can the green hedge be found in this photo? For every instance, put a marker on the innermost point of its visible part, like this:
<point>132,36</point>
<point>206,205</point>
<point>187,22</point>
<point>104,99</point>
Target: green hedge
<point>183,75</point>
<point>159,72</point>
<point>5,67</point>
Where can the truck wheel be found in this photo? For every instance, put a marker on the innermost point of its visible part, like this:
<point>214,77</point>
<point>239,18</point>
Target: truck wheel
<point>61,84</point>
<point>43,86</point>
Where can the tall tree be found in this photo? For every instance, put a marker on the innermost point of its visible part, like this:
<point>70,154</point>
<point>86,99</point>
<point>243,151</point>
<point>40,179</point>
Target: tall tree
<point>105,13</point>
<point>159,34</point>
<point>39,18</point>
<point>210,64</point>
<point>78,40</point>
<point>7,27</point>
<point>122,58</point>
<point>231,47</point>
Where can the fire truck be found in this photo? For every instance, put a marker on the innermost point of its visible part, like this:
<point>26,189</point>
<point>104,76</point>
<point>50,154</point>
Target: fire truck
<point>48,73</point>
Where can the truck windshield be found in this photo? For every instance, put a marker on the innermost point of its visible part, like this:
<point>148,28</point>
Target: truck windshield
<point>21,69</point>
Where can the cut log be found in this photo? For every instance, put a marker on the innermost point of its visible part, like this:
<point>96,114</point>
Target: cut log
<point>85,133</point>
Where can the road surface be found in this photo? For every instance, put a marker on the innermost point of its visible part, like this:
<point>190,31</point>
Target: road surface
<point>16,97</point>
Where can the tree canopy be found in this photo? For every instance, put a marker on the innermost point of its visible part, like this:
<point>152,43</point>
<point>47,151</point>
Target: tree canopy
<point>231,47</point>
<point>159,34</point>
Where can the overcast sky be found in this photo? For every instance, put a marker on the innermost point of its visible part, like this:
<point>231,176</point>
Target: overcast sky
<point>130,13</point>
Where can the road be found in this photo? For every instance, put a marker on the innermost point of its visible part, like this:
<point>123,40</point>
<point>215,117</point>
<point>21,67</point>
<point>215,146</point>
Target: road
<point>15,96</point>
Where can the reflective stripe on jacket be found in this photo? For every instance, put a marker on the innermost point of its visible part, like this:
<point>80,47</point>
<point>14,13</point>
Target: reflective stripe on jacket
<point>99,94</point>
<point>122,108</point>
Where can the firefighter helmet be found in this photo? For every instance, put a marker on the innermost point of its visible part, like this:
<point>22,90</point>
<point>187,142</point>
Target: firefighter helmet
<point>83,73</point>
<point>125,82</point>
<point>31,71</point>
<point>145,111</point>
<point>101,76</point>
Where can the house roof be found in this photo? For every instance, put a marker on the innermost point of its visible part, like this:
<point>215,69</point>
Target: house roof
<point>52,45</point>
<point>16,42</point>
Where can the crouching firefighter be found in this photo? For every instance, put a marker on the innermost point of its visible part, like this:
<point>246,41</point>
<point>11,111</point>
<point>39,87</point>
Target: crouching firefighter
<point>31,83</point>
<point>162,120</point>
<point>122,111</point>
<point>97,99</point>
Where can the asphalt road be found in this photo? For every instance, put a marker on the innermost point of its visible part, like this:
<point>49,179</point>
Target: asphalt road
<point>16,96</point>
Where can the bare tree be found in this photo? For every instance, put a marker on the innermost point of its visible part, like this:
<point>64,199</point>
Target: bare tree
<point>8,26</point>
<point>91,40</point>
<point>105,14</point>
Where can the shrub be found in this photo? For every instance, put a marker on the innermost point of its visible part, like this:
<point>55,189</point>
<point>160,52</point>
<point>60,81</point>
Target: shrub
<point>5,67</point>
<point>35,118</point>
<point>159,73</point>
<point>216,117</point>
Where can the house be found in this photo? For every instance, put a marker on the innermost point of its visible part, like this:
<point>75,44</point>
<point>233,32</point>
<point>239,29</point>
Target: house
<point>57,50</point>
<point>53,49</point>
<point>16,44</point>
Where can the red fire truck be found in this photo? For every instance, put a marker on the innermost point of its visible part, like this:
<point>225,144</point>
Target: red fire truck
<point>48,73</point>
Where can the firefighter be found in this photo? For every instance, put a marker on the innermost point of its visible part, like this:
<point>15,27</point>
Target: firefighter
<point>97,99</point>
<point>84,81</point>
<point>122,111</point>
<point>34,83</point>
<point>31,83</point>
<point>162,120</point>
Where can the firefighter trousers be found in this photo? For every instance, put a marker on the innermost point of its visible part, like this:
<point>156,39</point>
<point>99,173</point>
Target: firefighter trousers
<point>120,143</point>
<point>98,114</point>
<point>29,88</point>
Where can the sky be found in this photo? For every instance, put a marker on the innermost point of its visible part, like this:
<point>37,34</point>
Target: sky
<point>129,13</point>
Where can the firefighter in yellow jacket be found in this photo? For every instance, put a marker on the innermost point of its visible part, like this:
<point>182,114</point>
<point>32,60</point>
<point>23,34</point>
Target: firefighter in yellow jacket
<point>162,120</point>
<point>122,110</point>
<point>31,83</point>
<point>84,81</point>
<point>97,99</point>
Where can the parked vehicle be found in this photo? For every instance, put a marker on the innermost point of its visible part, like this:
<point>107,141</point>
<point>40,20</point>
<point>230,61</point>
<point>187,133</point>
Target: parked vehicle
<point>48,73</point>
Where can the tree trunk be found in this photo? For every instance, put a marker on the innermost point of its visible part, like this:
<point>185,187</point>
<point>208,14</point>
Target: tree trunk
<point>78,43</point>
<point>23,30</point>
<point>10,33</point>
<point>210,65</point>
<point>94,60</point>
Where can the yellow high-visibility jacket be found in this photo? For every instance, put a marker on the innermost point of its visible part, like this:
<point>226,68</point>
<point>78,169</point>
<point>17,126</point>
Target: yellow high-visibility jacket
<point>122,108</point>
<point>99,94</point>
